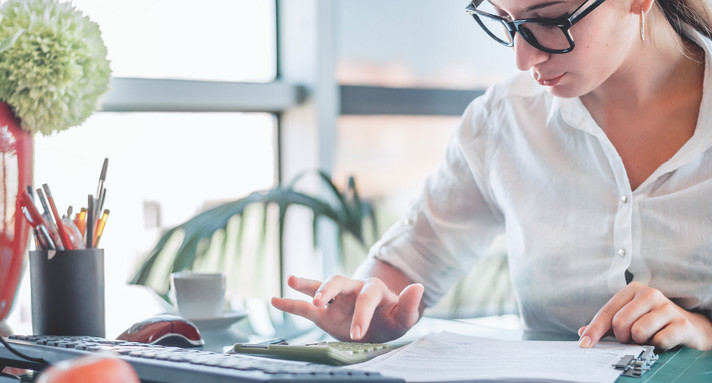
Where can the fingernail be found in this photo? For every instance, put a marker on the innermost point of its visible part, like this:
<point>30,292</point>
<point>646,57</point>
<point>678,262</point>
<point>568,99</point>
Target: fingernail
<point>356,333</point>
<point>318,295</point>
<point>585,342</point>
<point>580,331</point>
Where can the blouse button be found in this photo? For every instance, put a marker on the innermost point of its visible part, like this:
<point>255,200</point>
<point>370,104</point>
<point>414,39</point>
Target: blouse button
<point>624,198</point>
<point>621,252</point>
<point>408,222</point>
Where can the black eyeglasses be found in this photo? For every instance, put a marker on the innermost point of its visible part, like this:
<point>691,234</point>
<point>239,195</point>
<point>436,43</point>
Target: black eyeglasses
<point>550,35</point>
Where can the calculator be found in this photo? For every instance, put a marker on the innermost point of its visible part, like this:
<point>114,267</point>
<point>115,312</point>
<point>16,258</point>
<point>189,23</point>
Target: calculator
<point>332,353</point>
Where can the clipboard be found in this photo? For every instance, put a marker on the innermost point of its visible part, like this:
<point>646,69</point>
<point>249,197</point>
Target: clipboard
<point>636,366</point>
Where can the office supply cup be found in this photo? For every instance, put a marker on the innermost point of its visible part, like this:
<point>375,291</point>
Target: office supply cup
<point>199,295</point>
<point>68,292</point>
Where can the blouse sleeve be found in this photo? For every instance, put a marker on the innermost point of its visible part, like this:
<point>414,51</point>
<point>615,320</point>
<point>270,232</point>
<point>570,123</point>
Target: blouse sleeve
<point>455,219</point>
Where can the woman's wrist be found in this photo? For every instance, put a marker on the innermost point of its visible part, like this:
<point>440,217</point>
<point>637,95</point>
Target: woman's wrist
<point>702,320</point>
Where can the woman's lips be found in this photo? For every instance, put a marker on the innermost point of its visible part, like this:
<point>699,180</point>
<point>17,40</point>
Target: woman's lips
<point>551,81</point>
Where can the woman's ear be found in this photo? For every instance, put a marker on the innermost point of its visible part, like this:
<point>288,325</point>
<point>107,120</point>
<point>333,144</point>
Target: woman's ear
<point>641,6</point>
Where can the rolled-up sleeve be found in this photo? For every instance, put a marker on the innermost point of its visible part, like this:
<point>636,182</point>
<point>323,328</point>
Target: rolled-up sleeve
<point>454,220</point>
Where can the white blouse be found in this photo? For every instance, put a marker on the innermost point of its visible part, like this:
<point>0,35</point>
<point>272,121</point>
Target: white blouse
<point>538,168</point>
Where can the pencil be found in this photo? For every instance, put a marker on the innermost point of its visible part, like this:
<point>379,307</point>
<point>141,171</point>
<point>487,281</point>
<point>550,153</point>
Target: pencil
<point>81,220</point>
<point>90,223</point>
<point>100,227</point>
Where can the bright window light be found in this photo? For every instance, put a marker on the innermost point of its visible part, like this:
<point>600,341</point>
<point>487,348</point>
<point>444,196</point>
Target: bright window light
<point>222,40</point>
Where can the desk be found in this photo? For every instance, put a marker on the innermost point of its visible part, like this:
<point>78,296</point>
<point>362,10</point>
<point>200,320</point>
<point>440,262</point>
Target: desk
<point>681,365</point>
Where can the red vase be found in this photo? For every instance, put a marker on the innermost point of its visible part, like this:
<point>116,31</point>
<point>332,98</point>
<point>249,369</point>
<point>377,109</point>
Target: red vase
<point>15,176</point>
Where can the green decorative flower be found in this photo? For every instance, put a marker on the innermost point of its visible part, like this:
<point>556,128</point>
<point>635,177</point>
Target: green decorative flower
<point>56,70</point>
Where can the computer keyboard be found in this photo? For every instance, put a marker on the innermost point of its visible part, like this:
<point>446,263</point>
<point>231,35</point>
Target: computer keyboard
<point>161,364</point>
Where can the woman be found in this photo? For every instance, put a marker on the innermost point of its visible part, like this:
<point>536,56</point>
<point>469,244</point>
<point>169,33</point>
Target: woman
<point>597,166</point>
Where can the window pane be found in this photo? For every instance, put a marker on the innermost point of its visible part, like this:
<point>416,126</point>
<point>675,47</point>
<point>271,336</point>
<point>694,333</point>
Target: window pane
<point>390,157</point>
<point>416,43</point>
<point>224,40</point>
<point>163,169</point>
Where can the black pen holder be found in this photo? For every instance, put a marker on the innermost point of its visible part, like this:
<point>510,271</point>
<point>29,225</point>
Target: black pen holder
<point>68,292</point>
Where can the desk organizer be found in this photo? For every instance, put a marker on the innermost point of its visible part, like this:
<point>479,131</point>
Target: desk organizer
<point>68,292</point>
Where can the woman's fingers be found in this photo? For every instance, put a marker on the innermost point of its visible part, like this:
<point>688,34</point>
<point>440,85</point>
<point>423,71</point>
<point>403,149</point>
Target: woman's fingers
<point>644,315</point>
<point>409,302</point>
<point>404,308</point>
<point>334,286</point>
<point>646,326</point>
<point>352,309</point>
<point>370,297</point>
<point>622,316</point>
<point>303,285</point>
<point>296,307</point>
<point>603,320</point>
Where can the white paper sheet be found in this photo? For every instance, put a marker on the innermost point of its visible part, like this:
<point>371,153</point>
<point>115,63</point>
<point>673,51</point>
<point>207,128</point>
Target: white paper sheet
<point>448,357</point>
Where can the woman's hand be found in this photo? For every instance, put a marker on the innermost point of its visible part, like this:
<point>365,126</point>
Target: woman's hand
<point>643,315</point>
<point>355,310</point>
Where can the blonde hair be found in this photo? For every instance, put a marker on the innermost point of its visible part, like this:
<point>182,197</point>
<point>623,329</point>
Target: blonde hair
<point>695,13</point>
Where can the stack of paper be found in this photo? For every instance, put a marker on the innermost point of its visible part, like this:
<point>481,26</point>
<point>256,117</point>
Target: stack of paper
<point>448,357</point>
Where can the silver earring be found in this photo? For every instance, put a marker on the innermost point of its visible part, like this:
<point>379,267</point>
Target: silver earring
<point>642,25</point>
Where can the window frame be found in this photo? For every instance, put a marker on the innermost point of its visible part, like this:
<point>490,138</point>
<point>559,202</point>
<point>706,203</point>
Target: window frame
<point>306,100</point>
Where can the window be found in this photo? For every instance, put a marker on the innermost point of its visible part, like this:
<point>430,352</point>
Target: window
<point>185,125</point>
<point>220,40</point>
<point>186,72</point>
<point>407,70</point>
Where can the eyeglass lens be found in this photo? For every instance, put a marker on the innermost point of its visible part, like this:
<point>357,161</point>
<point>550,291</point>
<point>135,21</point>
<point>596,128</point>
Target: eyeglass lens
<point>545,35</point>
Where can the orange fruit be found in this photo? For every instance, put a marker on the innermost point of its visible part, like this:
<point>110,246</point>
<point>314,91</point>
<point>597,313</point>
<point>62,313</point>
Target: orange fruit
<point>105,368</point>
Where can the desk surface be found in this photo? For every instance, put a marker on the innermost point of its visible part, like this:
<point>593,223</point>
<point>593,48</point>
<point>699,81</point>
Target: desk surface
<point>677,366</point>
<point>683,365</point>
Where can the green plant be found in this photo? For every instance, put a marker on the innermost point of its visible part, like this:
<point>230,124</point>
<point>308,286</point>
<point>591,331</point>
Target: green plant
<point>56,69</point>
<point>220,238</point>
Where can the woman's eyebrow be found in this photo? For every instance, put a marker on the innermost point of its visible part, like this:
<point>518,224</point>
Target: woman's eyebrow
<point>535,6</point>
<point>542,5</point>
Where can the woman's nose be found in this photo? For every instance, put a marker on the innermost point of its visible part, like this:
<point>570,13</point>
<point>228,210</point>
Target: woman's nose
<point>526,56</point>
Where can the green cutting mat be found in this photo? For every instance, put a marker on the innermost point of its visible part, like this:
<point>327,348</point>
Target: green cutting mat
<point>678,366</point>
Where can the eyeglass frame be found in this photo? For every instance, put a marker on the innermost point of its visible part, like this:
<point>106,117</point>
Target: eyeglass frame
<point>512,27</point>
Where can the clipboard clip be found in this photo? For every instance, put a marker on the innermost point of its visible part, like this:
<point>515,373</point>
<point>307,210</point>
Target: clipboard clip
<point>637,366</point>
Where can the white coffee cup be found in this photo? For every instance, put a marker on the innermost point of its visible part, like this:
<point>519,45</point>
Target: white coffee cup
<point>199,295</point>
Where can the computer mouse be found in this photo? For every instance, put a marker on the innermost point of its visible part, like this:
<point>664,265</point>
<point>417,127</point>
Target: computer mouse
<point>166,330</point>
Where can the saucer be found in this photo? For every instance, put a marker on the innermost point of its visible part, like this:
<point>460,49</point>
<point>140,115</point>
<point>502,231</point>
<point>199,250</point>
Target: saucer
<point>220,322</point>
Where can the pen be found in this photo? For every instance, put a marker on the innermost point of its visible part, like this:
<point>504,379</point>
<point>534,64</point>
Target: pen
<point>90,224</point>
<point>100,190</point>
<point>40,241</point>
<point>43,201</point>
<point>49,221</point>
<point>66,242</point>
<point>24,200</point>
<point>45,233</point>
<point>100,227</point>
<point>37,233</point>
<point>102,177</point>
<point>100,203</point>
<point>35,219</point>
